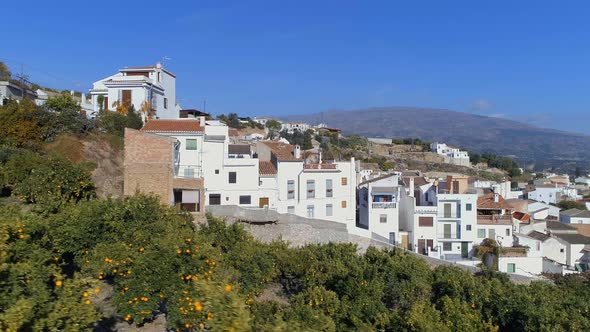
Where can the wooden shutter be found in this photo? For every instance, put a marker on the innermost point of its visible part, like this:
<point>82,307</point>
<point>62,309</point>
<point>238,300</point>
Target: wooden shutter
<point>126,97</point>
<point>425,221</point>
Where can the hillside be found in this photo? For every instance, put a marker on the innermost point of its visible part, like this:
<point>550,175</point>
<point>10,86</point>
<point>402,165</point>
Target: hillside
<point>469,131</point>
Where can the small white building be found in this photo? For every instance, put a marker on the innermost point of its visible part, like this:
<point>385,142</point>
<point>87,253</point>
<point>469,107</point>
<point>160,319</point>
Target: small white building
<point>577,248</point>
<point>452,154</point>
<point>574,216</point>
<point>378,208</point>
<point>547,193</point>
<point>583,180</point>
<point>290,127</point>
<point>151,86</point>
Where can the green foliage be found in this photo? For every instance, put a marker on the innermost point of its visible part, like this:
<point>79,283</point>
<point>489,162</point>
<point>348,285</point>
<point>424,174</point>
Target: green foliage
<point>297,137</point>
<point>492,160</point>
<point>412,141</point>
<point>566,205</point>
<point>49,182</point>
<point>4,72</point>
<point>22,124</point>
<point>114,123</point>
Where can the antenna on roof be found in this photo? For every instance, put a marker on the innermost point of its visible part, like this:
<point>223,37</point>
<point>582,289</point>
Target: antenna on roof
<point>165,58</point>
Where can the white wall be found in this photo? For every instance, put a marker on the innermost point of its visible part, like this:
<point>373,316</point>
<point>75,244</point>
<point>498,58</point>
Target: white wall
<point>527,266</point>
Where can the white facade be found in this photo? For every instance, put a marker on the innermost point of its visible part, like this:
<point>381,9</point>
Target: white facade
<point>379,209</point>
<point>290,127</point>
<point>454,155</point>
<point>549,195</point>
<point>575,216</point>
<point>584,180</point>
<point>505,190</point>
<point>522,265</point>
<point>153,84</point>
<point>456,225</point>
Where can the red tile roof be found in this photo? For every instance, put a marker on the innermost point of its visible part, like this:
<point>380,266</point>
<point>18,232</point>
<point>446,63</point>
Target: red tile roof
<point>282,151</point>
<point>266,168</point>
<point>521,216</point>
<point>487,202</point>
<point>173,126</point>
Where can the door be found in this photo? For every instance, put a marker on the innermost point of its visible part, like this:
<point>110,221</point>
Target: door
<point>464,249</point>
<point>447,210</point>
<point>126,96</point>
<point>430,244</point>
<point>262,202</point>
<point>310,211</point>
<point>447,231</point>
<point>422,246</point>
<point>392,238</point>
<point>405,242</point>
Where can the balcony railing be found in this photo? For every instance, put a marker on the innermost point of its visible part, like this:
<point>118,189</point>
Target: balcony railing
<point>452,236</point>
<point>384,205</point>
<point>426,210</point>
<point>319,167</point>
<point>496,219</point>
<point>188,171</point>
<point>452,215</point>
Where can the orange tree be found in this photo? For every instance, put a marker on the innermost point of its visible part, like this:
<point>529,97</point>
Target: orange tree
<point>154,259</point>
<point>35,293</point>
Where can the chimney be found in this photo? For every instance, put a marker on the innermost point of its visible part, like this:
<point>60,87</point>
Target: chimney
<point>496,198</point>
<point>159,65</point>
<point>411,189</point>
<point>320,157</point>
<point>202,121</point>
<point>297,152</point>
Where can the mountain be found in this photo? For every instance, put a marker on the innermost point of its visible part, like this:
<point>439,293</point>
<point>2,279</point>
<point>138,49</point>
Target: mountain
<point>472,132</point>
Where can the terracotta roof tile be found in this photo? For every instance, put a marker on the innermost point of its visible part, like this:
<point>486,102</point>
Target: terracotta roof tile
<point>266,168</point>
<point>282,151</point>
<point>521,216</point>
<point>173,126</point>
<point>486,202</point>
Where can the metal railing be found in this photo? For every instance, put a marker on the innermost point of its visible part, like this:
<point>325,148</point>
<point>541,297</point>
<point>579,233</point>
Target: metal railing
<point>426,210</point>
<point>383,205</point>
<point>188,171</point>
<point>451,235</point>
<point>452,215</point>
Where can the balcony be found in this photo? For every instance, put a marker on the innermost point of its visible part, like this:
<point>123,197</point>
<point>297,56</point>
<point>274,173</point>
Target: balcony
<point>449,236</point>
<point>320,168</point>
<point>426,210</point>
<point>494,219</point>
<point>188,171</point>
<point>384,205</point>
<point>452,215</point>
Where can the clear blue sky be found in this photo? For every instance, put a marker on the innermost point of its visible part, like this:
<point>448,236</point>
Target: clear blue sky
<point>522,60</point>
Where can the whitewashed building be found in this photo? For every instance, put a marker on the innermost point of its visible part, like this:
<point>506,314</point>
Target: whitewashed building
<point>290,127</point>
<point>452,154</point>
<point>574,216</point>
<point>137,86</point>
<point>378,209</point>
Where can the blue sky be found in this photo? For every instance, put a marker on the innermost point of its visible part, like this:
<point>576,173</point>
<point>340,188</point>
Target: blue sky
<point>522,60</point>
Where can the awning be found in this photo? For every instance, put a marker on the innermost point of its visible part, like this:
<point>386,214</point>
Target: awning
<point>190,196</point>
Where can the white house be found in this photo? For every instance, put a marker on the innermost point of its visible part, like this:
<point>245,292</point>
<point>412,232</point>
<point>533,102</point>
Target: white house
<point>574,216</point>
<point>378,208</point>
<point>313,190</point>
<point>548,193</point>
<point>263,120</point>
<point>418,215</point>
<point>505,190</point>
<point>151,86</point>
<point>576,251</point>
<point>452,154</point>
<point>290,127</point>
<point>494,219</point>
<point>583,180</point>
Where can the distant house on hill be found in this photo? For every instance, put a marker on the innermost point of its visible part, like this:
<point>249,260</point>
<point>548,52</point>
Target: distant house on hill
<point>150,85</point>
<point>452,154</point>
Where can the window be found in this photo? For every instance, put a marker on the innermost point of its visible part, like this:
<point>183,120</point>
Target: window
<point>561,250</point>
<point>291,209</point>
<point>310,211</point>
<point>191,144</point>
<point>232,177</point>
<point>165,102</point>
<point>447,246</point>
<point>329,210</point>
<point>246,199</point>
<point>344,204</point>
<point>468,227</point>
<point>159,77</point>
<point>189,173</point>
<point>481,233</point>
<point>383,218</point>
<point>425,221</point>
<point>214,199</point>
<point>216,171</point>
<point>329,192</point>
<point>290,189</point>
<point>310,188</point>
<point>507,231</point>
<point>344,181</point>
<point>511,268</point>
<point>468,207</point>
<point>426,197</point>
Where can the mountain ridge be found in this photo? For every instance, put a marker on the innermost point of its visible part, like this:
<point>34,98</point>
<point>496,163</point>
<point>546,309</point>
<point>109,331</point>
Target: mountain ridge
<point>472,132</point>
